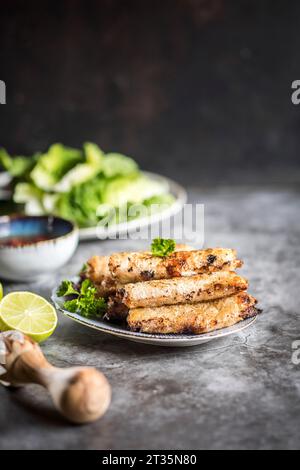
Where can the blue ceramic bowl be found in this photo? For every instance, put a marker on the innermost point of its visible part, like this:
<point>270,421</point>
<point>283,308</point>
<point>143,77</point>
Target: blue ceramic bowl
<point>55,241</point>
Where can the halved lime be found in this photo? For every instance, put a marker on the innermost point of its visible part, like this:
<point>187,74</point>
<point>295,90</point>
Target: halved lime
<point>28,313</point>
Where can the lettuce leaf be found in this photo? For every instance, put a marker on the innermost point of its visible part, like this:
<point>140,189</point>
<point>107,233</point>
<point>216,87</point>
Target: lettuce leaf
<point>84,185</point>
<point>81,203</point>
<point>17,166</point>
<point>164,199</point>
<point>115,164</point>
<point>82,172</point>
<point>31,197</point>
<point>94,155</point>
<point>133,189</point>
<point>53,165</point>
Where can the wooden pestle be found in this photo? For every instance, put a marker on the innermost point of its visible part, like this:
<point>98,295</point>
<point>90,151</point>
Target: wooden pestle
<point>81,394</point>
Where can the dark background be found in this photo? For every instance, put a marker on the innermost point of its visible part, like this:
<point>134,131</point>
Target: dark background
<point>195,89</point>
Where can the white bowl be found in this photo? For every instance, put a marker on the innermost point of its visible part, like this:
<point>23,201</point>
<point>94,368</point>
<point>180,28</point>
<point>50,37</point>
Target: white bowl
<point>41,258</point>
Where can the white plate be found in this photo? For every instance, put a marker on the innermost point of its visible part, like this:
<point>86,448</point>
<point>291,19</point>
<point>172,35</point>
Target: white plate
<point>5,179</point>
<point>154,339</point>
<point>175,189</point>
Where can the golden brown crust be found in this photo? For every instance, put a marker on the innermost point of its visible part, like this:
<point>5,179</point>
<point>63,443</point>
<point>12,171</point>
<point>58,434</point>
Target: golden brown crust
<point>200,288</point>
<point>106,288</point>
<point>193,318</point>
<point>98,268</point>
<point>98,272</point>
<point>183,247</point>
<point>136,267</point>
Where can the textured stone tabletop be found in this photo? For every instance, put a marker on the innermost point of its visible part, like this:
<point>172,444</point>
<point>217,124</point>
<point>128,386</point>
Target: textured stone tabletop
<point>238,392</point>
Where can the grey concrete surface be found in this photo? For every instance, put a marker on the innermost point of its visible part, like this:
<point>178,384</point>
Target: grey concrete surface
<point>240,392</point>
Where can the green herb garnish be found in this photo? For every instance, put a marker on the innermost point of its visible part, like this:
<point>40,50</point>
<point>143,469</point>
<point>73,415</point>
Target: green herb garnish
<point>83,269</point>
<point>163,247</point>
<point>66,288</point>
<point>84,299</point>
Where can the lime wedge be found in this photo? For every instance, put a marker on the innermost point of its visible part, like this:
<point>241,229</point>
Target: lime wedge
<point>28,313</point>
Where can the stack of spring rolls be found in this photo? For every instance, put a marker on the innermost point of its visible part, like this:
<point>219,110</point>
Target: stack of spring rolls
<point>190,291</point>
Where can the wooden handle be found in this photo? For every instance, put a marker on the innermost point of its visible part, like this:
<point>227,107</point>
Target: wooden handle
<point>81,394</point>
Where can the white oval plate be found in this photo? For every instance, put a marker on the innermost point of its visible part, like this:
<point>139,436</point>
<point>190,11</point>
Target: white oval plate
<point>175,189</point>
<point>154,339</point>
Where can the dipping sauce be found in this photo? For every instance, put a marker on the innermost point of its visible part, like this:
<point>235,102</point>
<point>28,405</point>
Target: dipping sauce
<point>16,242</point>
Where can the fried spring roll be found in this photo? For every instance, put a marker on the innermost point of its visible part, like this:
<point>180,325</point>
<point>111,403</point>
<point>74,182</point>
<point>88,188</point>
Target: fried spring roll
<point>135,267</point>
<point>98,272</point>
<point>195,318</point>
<point>200,288</point>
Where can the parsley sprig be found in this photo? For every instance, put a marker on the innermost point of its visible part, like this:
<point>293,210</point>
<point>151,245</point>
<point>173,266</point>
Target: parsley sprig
<point>82,299</point>
<point>163,247</point>
<point>66,288</point>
